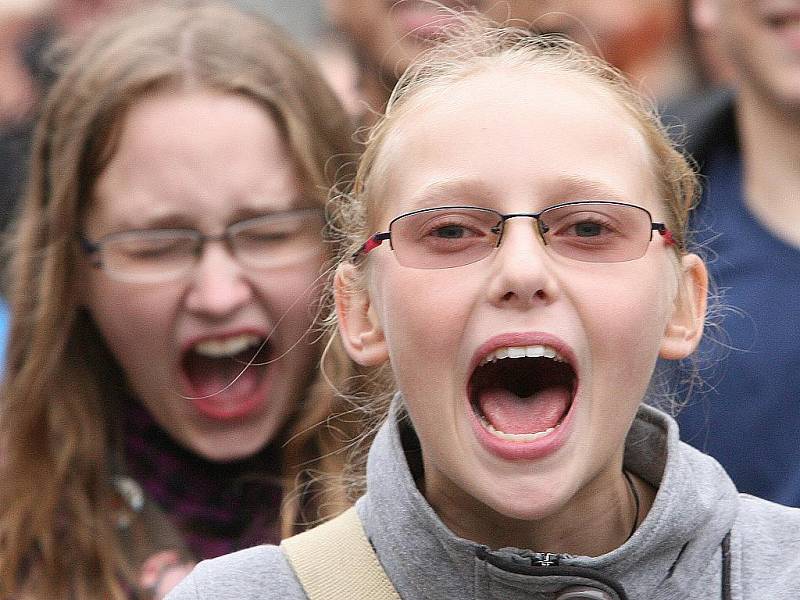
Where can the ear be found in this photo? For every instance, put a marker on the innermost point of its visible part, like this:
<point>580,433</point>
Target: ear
<point>685,328</point>
<point>361,331</point>
<point>705,15</point>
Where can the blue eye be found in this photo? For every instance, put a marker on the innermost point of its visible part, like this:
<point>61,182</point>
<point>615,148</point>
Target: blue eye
<point>588,229</point>
<point>450,232</point>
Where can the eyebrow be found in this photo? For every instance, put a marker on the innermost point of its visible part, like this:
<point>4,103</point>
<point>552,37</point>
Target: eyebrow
<point>563,187</point>
<point>434,194</point>
<point>163,221</point>
<point>576,187</point>
<point>180,220</point>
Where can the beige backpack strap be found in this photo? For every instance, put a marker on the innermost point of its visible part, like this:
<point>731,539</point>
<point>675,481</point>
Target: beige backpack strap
<point>335,561</point>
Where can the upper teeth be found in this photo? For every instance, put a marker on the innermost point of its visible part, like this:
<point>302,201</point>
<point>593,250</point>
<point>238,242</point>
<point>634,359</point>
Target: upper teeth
<point>522,352</point>
<point>227,347</point>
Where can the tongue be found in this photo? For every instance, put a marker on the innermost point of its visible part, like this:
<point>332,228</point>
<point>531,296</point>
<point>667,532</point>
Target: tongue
<point>509,413</point>
<point>226,380</point>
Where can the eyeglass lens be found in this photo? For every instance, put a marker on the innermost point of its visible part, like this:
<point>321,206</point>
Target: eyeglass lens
<point>590,232</point>
<point>263,242</point>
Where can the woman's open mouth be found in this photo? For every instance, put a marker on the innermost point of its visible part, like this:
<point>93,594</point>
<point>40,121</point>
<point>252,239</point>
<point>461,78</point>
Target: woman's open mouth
<point>226,377</point>
<point>522,394</point>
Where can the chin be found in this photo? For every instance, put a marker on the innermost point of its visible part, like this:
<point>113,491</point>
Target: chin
<point>523,502</point>
<point>228,447</point>
<point>529,510</point>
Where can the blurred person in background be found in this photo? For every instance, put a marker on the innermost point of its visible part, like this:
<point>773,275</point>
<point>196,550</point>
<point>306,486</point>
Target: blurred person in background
<point>18,18</point>
<point>160,403</point>
<point>28,29</point>
<point>747,145</point>
<point>645,39</point>
<point>307,24</point>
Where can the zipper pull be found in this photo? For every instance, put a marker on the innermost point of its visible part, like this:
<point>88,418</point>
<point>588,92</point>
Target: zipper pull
<point>526,558</point>
<point>541,559</point>
<point>545,559</point>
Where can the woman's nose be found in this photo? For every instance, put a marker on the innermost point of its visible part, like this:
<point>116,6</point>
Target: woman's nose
<point>218,285</point>
<point>523,271</point>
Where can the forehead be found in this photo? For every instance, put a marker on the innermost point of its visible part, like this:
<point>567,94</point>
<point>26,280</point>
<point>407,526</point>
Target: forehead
<point>199,154</point>
<point>507,134</point>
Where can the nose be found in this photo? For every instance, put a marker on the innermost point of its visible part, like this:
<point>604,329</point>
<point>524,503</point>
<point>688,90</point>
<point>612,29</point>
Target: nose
<point>523,274</point>
<point>218,285</point>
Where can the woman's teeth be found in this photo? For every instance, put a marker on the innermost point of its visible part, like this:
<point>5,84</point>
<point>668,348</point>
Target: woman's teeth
<point>516,437</point>
<point>522,352</point>
<point>226,347</point>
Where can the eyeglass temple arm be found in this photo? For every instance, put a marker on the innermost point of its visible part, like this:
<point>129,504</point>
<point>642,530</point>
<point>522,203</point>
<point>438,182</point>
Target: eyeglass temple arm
<point>665,233</point>
<point>372,242</point>
<point>87,246</point>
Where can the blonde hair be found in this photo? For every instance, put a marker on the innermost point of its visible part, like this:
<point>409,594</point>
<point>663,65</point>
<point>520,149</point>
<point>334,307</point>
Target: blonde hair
<point>58,435</point>
<point>474,45</point>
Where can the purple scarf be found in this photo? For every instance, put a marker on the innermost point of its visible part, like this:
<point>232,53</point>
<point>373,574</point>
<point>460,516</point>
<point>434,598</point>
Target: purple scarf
<point>217,507</point>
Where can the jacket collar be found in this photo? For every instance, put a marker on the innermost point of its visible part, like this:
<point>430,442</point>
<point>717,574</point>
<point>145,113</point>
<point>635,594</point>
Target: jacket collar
<point>672,554</point>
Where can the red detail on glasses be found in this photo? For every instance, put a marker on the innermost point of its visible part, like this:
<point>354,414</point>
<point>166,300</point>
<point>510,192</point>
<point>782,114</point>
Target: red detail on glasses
<point>667,235</point>
<point>372,243</point>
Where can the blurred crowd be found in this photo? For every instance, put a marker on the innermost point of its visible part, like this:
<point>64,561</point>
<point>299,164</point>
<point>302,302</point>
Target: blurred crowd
<point>363,46</point>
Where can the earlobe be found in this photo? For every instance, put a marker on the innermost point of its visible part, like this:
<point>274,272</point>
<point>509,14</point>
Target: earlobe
<point>361,331</point>
<point>685,328</point>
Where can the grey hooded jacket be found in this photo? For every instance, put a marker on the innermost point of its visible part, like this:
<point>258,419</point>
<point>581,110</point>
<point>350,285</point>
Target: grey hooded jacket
<point>701,540</point>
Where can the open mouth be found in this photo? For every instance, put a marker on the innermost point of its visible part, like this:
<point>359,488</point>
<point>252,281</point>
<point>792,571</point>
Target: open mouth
<point>226,370</point>
<point>522,393</point>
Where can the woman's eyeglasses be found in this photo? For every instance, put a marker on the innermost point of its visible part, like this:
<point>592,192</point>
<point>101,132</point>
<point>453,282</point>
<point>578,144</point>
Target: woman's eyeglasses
<point>454,236</point>
<point>157,255</point>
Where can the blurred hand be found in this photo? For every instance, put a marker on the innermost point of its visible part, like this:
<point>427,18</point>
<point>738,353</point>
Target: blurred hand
<point>162,572</point>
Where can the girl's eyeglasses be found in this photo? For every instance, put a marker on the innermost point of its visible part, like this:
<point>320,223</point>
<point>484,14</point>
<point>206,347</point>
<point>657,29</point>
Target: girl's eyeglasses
<point>157,255</point>
<point>454,236</point>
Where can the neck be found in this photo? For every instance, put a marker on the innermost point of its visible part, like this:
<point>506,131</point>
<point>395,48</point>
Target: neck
<point>606,508</point>
<point>216,507</point>
<point>771,158</point>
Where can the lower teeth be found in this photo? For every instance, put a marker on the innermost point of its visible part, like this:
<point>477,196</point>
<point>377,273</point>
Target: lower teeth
<point>516,437</point>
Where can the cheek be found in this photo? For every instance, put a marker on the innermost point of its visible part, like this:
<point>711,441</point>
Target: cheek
<point>625,325</point>
<point>136,322</point>
<point>291,298</point>
<point>420,315</point>
<point>424,315</point>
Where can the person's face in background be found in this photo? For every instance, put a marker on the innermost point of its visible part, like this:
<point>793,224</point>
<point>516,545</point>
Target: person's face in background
<point>381,30</point>
<point>626,33</point>
<point>761,41</point>
<point>77,16</point>
<point>630,34</point>
<point>204,161</point>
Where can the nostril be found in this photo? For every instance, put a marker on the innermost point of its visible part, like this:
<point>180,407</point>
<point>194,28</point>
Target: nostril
<point>583,593</point>
<point>538,294</point>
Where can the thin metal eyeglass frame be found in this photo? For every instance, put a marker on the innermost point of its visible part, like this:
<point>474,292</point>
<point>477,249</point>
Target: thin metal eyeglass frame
<point>378,238</point>
<point>93,249</point>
